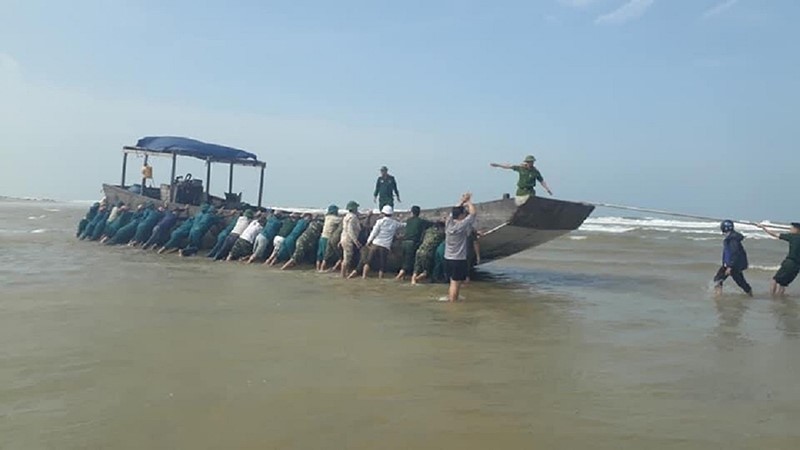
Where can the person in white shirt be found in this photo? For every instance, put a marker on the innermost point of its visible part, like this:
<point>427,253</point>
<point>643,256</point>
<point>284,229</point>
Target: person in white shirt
<point>241,224</point>
<point>244,245</point>
<point>380,242</point>
<point>351,227</point>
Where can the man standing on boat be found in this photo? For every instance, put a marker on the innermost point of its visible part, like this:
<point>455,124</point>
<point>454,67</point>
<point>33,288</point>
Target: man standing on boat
<point>528,176</point>
<point>386,189</point>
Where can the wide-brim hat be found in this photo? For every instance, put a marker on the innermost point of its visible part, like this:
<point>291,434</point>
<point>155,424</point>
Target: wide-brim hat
<point>333,209</point>
<point>530,159</point>
<point>351,205</point>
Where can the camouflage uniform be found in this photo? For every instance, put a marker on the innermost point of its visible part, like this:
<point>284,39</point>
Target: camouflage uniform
<point>431,239</point>
<point>333,253</point>
<point>306,243</point>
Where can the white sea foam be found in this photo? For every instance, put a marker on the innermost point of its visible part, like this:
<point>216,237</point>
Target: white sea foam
<point>617,225</point>
<point>765,268</point>
<point>39,231</point>
<point>578,238</point>
<point>52,210</point>
<point>37,217</point>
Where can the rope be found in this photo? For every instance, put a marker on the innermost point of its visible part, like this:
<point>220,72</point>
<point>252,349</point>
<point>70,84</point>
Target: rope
<point>686,216</point>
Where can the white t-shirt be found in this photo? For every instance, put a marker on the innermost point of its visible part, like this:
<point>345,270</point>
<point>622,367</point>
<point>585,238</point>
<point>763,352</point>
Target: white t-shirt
<point>252,230</point>
<point>241,224</point>
<point>383,232</point>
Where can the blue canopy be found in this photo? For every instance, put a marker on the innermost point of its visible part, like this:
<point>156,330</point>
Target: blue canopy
<point>190,147</point>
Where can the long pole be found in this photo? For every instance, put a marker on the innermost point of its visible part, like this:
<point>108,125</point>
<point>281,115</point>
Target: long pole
<point>172,179</point>
<point>230,179</point>
<point>261,187</point>
<point>124,168</point>
<point>208,180</point>
<point>144,179</point>
<point>686,216</point>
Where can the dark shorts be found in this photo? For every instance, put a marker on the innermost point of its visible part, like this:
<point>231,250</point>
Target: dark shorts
<point>787,273</point>
<point>456,269</point>
<point>378,257</point>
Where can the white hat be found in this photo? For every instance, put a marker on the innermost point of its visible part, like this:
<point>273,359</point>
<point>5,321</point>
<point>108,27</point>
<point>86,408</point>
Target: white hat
<point>388,210</point>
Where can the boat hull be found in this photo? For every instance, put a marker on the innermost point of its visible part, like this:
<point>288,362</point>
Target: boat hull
<point>506,228</point>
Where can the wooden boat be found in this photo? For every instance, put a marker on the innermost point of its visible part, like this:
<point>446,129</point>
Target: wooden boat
<point>507,229</point>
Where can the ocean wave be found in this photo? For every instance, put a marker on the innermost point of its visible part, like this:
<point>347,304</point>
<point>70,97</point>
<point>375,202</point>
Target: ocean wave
<point>579,238</point>
<point>765,268</point>
<point>37,217</point>
<point>39,231</point>
<point>607,228</point>
<point>618,225</point>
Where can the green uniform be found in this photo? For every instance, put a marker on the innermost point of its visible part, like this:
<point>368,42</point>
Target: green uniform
<point>791,265</point>
<point>415,226</point>
<point>287,227</point>
<point>333,253</point>
<point>430,241</point>
<point>306,243</point>
<point>385,190</point>
<point>528,176</point>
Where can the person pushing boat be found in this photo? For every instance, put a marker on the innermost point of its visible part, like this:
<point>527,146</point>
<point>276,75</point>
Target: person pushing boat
<point>528,176</point>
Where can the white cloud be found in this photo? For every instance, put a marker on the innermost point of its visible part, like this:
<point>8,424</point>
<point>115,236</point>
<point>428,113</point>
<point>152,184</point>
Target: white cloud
<point>625,13</point>
<point>719,8</point>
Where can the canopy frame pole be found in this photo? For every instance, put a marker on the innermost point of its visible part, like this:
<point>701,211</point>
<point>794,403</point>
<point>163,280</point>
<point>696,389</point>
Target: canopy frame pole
<point>261,187</point>
<point>230,180</point>
<point>208,180</point>
<point>144,180</point>
<point>124,168</point>
<point>172,179</point>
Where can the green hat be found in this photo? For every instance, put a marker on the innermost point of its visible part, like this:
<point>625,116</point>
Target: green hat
<point>249,214</point>
<point>351,205</point>
<point>333,210</point>
<point>384,169</point>
<point>530,159</point>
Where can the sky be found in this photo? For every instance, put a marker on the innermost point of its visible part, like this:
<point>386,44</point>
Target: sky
<point>686,105</point>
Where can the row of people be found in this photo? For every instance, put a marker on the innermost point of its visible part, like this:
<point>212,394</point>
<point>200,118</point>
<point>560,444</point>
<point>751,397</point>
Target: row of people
<point>351,244</point>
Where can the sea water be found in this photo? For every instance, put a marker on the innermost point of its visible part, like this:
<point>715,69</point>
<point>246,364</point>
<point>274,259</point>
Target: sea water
<point>607,338</point>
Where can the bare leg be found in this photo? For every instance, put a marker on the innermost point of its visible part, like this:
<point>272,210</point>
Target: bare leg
<point>773,288</point>
<point>289,264</point>
<point>365,272</point>
<point>380,274</point>
<point>781,291</point>
<point>717,291</point>
<point>401,276</point>
<point>455,289</point>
